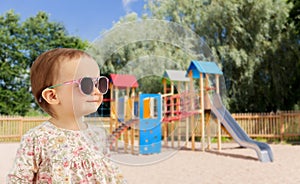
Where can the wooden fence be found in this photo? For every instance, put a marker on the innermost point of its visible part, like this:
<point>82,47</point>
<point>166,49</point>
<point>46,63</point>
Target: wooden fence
<point>282,125</point>
<point>13,127</point>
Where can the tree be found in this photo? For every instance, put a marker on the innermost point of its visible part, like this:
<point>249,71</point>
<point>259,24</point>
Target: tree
<point>143,48</point>
<point>244,36</point>
<point>294,19</point>
<point>20,44</point>
<point>294,15</point>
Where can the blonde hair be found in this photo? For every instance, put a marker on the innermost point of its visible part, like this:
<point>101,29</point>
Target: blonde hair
<point>44,71</point>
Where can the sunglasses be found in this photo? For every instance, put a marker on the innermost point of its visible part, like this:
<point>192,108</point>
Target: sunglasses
<point>87,84</point>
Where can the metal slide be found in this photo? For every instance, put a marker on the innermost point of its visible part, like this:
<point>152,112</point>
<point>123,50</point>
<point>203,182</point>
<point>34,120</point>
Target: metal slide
<point>263,150</point>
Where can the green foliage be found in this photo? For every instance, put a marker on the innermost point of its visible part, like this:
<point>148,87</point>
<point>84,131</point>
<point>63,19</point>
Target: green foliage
<point>260,139</point>
<point>254,43</point>
<point>143,50</point>
<point>223,139</point>
<point>294,16</point>
<point>21,43</point>
<point>35,113</point>
<point>151,84</point>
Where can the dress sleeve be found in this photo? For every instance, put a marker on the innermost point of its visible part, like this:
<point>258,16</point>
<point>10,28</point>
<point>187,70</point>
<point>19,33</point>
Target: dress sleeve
<point>27,161</point>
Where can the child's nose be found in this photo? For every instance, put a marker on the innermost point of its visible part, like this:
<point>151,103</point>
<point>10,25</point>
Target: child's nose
<point>96,91</point>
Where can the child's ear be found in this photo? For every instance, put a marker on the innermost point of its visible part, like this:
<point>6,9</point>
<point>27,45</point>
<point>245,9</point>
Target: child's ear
<point>50,96</point>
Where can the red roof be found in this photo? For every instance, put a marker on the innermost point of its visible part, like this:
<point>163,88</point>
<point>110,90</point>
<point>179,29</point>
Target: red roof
<point>124,81</point>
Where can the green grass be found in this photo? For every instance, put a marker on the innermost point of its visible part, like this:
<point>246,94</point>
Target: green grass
<point>215,139</point>
<point>259,139</point>
<point>223,139</point>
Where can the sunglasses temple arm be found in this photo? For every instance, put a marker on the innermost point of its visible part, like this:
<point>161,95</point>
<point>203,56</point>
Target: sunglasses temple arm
<point>57,85</point>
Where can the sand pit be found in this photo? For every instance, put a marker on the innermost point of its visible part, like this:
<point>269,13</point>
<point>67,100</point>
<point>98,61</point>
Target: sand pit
<point>231,165</point>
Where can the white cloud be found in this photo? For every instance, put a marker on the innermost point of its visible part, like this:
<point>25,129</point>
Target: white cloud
<point>126,4</point>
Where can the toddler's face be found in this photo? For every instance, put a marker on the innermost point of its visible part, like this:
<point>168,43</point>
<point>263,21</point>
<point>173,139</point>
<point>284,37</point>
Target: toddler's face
<point>74,102</point>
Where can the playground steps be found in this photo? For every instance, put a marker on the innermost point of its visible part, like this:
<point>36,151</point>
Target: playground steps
<point>117,132</point>
<point>113,137</point>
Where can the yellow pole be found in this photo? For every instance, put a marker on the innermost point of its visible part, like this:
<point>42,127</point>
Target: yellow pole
<point>219,123</point>
<point>111,108</point>
<point>192,108</point>
<point>172,123</point>
<point>202,112</point>
<point>178,101</point>
<point>207,119</point>
<point>165,125</point>
<point>186,121</point>
<point>133,117</point>
<point>207,114</point>
<point>127,114</point>
<point>116,112</point>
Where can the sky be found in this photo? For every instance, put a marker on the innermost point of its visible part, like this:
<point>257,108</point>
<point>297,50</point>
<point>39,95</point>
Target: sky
<point>84,18</point>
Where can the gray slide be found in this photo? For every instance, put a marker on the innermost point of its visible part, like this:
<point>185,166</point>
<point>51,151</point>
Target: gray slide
<point>263,150</point>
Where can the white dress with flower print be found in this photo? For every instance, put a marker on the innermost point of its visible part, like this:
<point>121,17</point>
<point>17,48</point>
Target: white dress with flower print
<point>48,154</point>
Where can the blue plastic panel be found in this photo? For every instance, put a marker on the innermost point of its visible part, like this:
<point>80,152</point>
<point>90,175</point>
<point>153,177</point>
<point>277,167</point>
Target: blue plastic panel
<point>150,136</point>
<point>150,128</point>
<point>150,148</point>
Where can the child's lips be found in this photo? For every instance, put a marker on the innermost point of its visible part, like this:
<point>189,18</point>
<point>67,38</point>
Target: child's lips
<point>93,100</point>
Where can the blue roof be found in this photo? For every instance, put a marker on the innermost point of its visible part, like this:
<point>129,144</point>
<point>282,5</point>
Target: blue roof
<point>204,67</point>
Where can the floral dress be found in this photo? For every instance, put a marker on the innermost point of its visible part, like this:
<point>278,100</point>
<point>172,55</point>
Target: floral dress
<point>48,154</point>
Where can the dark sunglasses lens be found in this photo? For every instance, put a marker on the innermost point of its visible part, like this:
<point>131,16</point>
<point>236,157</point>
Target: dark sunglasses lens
<point>103,85</point>
<point>87,85</point>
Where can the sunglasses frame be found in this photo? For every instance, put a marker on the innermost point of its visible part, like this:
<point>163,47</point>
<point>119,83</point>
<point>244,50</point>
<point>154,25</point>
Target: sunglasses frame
<point>78,81</point>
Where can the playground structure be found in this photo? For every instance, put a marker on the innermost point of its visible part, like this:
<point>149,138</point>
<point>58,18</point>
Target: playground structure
<point>147,123</point>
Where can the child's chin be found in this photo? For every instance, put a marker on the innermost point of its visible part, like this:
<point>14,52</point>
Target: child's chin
<point>90,111</point>
<point>86,110</point>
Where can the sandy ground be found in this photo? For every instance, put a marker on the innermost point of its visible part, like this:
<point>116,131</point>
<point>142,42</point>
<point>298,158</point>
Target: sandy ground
<point>231,165</point>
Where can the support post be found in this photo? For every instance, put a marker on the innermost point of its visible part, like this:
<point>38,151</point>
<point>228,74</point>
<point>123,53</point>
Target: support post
<point>219,123</point>
<point>186,120</point>
<point>192,108</point>
<point>206,111</point>
<point>116,113</point>
<point>207,119</point>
